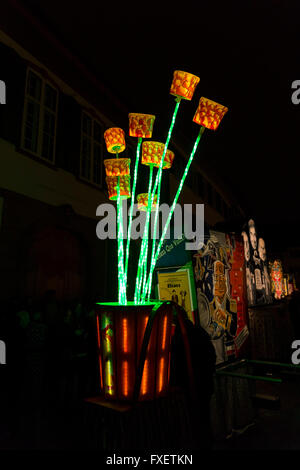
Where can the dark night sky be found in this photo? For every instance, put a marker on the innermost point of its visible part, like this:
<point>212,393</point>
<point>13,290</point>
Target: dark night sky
<point>247,56</point>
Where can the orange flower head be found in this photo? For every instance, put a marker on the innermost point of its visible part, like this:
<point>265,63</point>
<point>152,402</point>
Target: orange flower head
<point>115,140</point>
<point>117,166</point>
<point>112,185</point>
<point>142,200</point>
<point>152,153</point>
<point>184,84</point>
<point>209,113</point>
<point>141,125</point>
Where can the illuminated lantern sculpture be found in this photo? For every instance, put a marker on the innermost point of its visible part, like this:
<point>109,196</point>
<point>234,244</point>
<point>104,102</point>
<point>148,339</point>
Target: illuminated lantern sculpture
<point>277,279</point>
<point>117,166</point>
<point>152,153</point>
<point>184,85</point>
<point>134,336</point>
<point>142,200</point>
<point>286,285</point>
<point>209,113</point>
<point>115,140</point>
<point>141,125</point>
<point>112,186</point>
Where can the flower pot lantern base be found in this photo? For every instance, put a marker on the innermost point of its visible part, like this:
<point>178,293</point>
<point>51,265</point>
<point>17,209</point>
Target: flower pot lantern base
<point>134,346</point>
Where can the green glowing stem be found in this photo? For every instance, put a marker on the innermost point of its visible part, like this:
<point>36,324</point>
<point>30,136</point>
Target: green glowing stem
<point>121,283</point>
<point>146,240</point>
<point>158,176</point>
<point>154,259</point>
<point>142,264</point>
<point>144,246</point>
<point>157,184</point>
<point>132,204</point>
<point>119,248</point>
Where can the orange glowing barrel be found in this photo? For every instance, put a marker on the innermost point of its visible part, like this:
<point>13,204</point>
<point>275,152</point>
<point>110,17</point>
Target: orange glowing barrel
<point>209,113</point>
<point>134,345</point>
<point>184,84</point>
<point>142,200</point>
<point>115,140</point>
<point>162,352</point>
<point>152,153</point>
<point>141,125</point>
<point>117,166</point>
<point>112,185</point>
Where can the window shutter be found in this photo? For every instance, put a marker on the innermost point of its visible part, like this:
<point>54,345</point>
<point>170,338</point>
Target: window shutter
<point>13,73</point>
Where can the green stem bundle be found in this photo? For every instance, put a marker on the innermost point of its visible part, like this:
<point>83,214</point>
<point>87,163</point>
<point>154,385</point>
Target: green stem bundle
<point>156,253</point>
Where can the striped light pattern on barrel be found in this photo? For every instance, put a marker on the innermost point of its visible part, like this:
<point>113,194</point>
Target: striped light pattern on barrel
<point>121,332</point>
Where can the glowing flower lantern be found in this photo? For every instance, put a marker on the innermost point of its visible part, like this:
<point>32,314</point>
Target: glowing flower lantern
<point>184,85</point>
<point>141,125</point>
<point>117,166</point>
<point>112,186</point>
<point>209,113</point>
<point>142,200</point>
<point>134,337</point>
<point>115,140</point>
<point>152,153</point>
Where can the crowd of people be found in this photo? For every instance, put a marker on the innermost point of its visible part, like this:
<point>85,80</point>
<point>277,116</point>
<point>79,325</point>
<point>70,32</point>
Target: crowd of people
<point>51,350</point>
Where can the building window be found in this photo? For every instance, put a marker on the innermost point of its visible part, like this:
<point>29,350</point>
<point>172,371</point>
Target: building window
<point>91,154</point>
<point>40,117</point>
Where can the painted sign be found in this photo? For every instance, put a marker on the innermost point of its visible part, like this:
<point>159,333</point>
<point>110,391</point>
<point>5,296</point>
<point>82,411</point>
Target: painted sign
<point>176,286</point>
<point>257,275</point>
<point>218,306</point>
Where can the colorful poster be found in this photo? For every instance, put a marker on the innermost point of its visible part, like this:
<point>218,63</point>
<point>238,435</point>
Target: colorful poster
<point>257,275</point>
<point>173,258</point>
<point>238,289</point>
<point>176,286</point>
<point>218,307</point>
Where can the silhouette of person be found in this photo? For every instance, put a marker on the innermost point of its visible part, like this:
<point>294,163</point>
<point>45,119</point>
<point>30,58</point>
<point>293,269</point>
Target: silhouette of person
<point>203,358</point>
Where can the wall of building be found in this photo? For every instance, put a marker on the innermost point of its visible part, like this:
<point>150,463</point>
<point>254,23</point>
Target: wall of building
<point>23,219</point>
